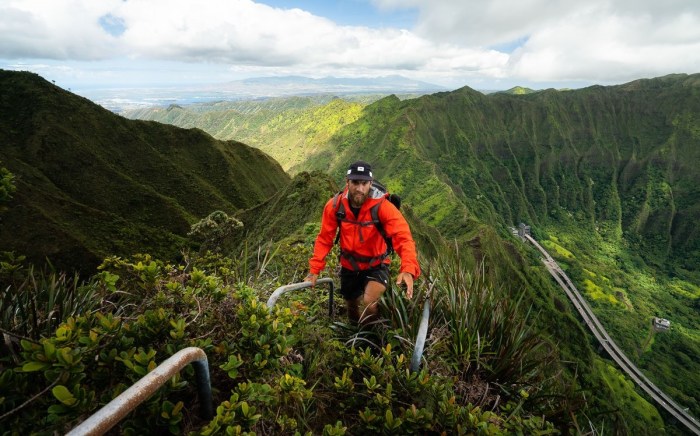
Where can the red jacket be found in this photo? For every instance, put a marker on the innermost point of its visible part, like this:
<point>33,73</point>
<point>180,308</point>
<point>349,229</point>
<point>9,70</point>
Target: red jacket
<point>364,240</point>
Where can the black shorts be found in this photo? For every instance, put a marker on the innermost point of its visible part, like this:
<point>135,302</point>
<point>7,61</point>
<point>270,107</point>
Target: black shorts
<point>353,283</point>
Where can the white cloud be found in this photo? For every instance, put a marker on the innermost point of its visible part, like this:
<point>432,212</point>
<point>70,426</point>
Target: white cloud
<point>243,32</point>
<point>235,32</point>
<point>598,40</point>
<point>66,29</point>
<point>481,23</point>
<point>610,47</point>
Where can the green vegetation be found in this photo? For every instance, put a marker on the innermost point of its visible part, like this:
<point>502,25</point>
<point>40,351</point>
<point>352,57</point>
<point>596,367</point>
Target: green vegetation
<point>7,185</point>
<point>552,246</point>
<point>288,370</point>
<point>626,299</point>
<point>638,409</point>
<point>289,127</point>
<point>604,175</point>
<point>519,90</point>
<point>214,229</point>
<point>92,184</point>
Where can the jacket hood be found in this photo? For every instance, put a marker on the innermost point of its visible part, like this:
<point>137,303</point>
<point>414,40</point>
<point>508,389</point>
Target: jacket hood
<point>375,193</point>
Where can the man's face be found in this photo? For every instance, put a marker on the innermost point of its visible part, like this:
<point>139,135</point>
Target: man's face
<point>358,190</point>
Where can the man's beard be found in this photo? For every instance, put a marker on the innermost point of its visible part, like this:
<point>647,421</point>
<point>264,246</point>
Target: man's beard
<point>357,199</point>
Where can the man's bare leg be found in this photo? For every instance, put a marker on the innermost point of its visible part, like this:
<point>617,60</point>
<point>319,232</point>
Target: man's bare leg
<point>370,301</point>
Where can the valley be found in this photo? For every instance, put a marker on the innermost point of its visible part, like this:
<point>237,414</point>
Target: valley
<point>608,170</point>
<point>661,399</point>
<point>605,176</point>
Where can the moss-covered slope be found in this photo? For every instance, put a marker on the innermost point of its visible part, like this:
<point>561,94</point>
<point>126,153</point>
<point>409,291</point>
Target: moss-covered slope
<point>620,161</point>
<point>91,183</point>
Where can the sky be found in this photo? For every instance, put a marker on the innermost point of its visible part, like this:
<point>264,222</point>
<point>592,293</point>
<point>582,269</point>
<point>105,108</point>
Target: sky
<point>483,44</point>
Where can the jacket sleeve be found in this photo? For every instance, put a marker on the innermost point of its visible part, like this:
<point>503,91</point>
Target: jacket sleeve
<point>397,229</point>
<point>325,239</point>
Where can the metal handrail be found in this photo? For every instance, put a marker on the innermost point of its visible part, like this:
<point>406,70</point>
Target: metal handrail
<point>118,408</point>
<point>420,338</point>
<point>302,285</point>
<point>422,329</point>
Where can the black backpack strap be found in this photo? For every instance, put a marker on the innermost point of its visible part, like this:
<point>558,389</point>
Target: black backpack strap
<point>339,213</point>
<point>374,212</point>
<point>354,258</point>
<point>337,198</point>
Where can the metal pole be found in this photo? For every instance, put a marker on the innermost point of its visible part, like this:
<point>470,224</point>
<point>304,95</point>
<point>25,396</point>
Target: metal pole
<point>302,285</point>
<point>113,412</point>
<point>420,339</point>
<point>201,374</point>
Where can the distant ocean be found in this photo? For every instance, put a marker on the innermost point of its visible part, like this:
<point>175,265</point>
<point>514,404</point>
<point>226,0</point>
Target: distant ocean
<point>119,100</point>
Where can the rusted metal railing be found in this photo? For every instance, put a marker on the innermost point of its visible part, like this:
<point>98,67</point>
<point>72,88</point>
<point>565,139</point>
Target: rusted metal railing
<point>118,408</point>
<point>302,285</point>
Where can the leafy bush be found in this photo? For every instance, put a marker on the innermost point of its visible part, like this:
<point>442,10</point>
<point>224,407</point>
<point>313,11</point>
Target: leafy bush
<point>7,186</point>
<point>288,370</point>
<point>213,229</point>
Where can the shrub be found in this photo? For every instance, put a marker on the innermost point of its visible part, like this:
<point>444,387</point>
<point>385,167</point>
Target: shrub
<point>283,371</point>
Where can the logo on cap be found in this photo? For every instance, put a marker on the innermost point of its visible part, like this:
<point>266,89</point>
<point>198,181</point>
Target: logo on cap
<point>360,171</point>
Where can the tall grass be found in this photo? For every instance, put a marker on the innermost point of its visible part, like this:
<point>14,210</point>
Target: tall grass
<point>481,334</point>
<point>403,316</point>
<point>36,304</point>
<point>491,332</point>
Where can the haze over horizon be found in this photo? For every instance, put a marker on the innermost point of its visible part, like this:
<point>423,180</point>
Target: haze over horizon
<point>113,44</point>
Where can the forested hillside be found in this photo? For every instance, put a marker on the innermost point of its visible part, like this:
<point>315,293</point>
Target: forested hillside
<point>595,172</point>
<point>71,343</point>
<point>618,160</point>
<point>605,175</point>
<point>292,127</point>
<point>91,183</point>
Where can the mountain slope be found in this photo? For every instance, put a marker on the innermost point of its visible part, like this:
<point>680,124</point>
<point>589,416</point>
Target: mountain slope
<point>607,175</point>
<point>290,127</point>
<point>621,159</point>
<point>91,183</point>
<point>597,172</point>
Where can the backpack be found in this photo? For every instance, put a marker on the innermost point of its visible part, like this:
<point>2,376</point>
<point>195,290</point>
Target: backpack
<point>341,215</point>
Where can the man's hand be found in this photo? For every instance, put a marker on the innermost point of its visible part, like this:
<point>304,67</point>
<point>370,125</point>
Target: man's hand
<point>311,278</point>
<point>406,278</point>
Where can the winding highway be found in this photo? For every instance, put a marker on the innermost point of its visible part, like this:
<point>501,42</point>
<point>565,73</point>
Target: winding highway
<point>609,345</point>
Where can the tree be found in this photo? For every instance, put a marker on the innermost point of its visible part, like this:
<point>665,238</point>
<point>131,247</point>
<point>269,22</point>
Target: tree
<point>212,230</point>
<point>7,186</point>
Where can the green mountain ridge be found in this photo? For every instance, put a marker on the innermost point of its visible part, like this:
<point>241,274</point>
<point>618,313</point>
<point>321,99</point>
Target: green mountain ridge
<point>467,165</point>
<point>287,126</point>
<point>519,90</point>
<point>606,171</point>
<point>512,158</point>
<point>531,157</point>
<point>605,175</point>
<point>109,185</point>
